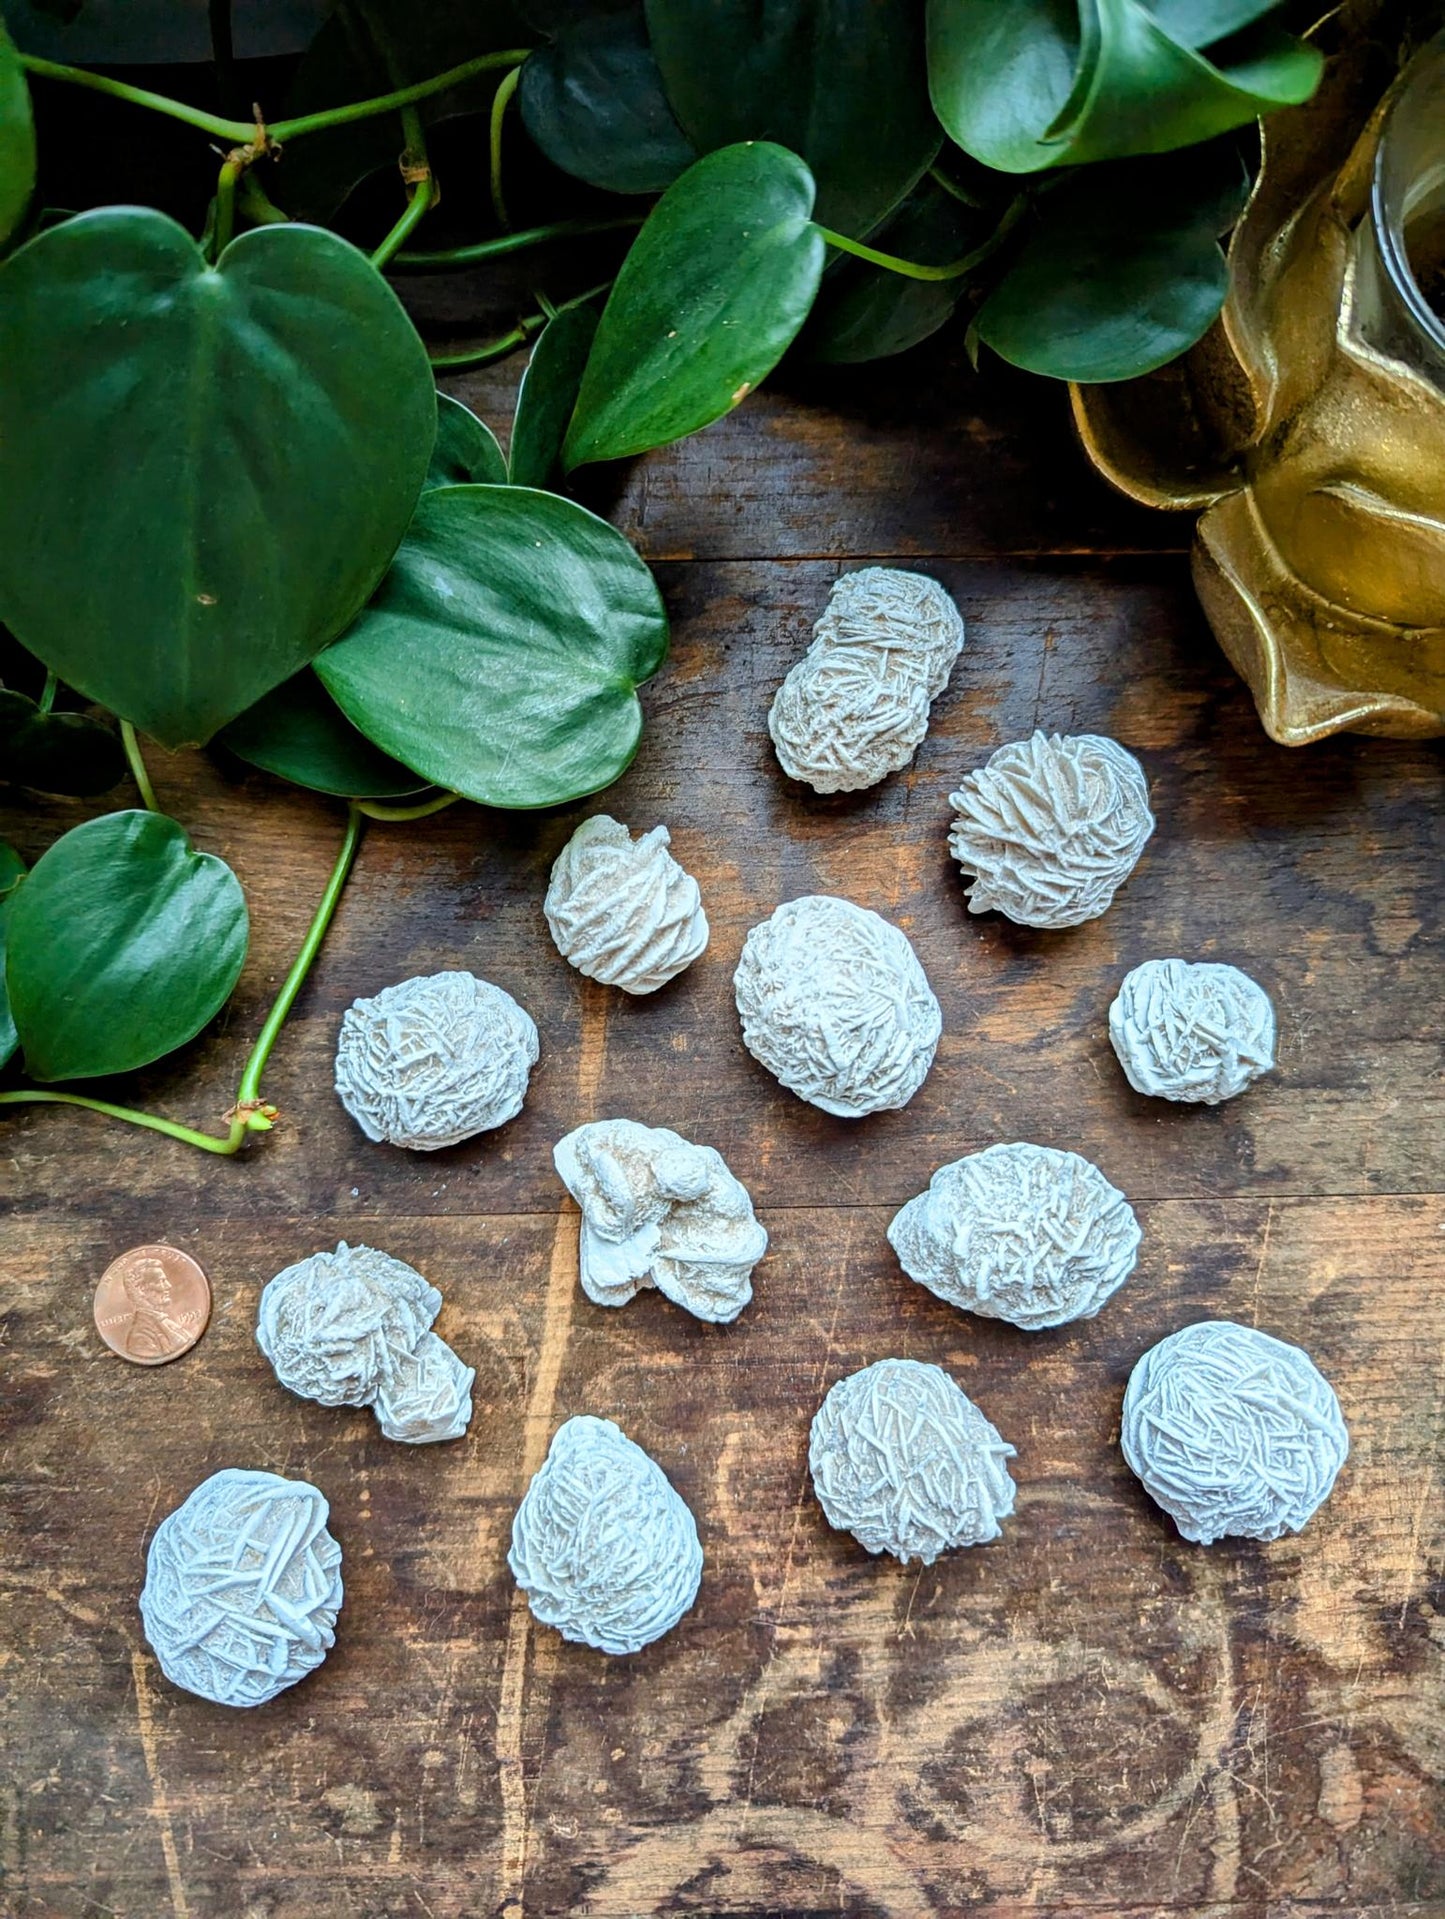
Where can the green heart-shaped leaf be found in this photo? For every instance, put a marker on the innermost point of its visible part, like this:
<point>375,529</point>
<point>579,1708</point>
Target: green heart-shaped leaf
<point>298,732</point>
<point>56,752</point>
<point>123,942</point>
<point>1122,271</point>
<point>465,449</point>
<point>593,101</point>
<point>1047,83</point>
<point>841,82</point>
<point>204,471</point>
<point>12,868</point>
<point>711,294</point>
<point>502,655</point>
<point>17,140</point>
<point>548,394</point>
<point>866,312</point>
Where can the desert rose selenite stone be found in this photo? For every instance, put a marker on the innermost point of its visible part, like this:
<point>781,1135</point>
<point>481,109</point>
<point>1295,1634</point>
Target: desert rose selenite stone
<point>1023,1233</point>
<point>602,1545</point>
<point>905,1461</point>
<point>855,707</point>
<point>835,1004</point>
<point>433,1060</point>
<point>622,910</point>
<point>1233,1432</point>
<point>1050,828</point>
<point>659,1211</point>
<point>1192,1032</point>
<point>242,1589</point>
<point>353,1328</point>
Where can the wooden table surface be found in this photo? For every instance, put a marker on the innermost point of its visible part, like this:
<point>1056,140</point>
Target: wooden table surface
<point>1088,1717</point>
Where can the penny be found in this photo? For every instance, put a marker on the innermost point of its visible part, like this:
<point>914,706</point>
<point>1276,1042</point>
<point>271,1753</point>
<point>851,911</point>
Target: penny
<point>152,1304</point>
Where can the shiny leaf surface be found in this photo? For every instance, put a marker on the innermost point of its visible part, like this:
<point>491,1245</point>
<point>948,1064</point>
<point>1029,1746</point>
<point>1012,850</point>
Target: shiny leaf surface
<point>465,449</point>
<point>298,732</point>
<point>548,394</point>
<point>593,100</point>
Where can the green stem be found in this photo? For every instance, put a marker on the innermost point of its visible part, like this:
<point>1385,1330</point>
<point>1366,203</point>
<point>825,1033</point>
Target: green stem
<point>48,693</point>
<point>242,131</point>
<point>138,766</point>
<point>423,199</point>
<point>916,270</point>
<point>375,811</point>
<point>509,342</point>
<point>403,97</point>
<point>250,1114</point>
<point>250,1086</point>
<point>225,222</point>
<point>257,204</point>
<point>506,87</point>
<point>450,258</point>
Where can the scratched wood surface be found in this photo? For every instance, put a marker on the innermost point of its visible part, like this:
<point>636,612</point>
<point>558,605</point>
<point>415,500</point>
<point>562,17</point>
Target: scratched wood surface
<point>1088,1717</point>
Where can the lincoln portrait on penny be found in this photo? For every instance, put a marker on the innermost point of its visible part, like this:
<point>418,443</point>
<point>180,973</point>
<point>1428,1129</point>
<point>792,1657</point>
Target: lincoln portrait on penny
<point>152,1333</point>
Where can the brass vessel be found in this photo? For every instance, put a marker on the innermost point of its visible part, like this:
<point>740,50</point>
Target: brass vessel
<point>1309,424</point>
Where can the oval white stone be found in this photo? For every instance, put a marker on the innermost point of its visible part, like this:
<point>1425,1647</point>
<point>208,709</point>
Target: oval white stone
<point>1199,1033</point>
<point>622,910</point>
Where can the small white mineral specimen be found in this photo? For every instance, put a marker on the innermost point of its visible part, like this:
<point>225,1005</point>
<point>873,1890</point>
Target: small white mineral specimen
<point>433,1060</point>
<point>1023,1233</point>
<point>604,1548</point>
<point>622,910</point>
<point>659,1211</point>
<point>1192,1032</point>
<point>353,1328</point>
<point>1232,1432</point>
<point>905,1461</point>
<point>1050,828</point>
<point>855,707</point>
<point>835,1004</point>
<point>242,1588</point>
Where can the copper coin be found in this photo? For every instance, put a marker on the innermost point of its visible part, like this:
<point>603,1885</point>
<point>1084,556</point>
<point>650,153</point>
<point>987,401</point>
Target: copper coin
<point>152,1305</point>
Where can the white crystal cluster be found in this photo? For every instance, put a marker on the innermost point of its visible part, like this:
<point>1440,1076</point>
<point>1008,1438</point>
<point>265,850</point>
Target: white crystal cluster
<point>1199,1033</point>
<point>622,910</point>
<point>603,1546</point>
<point>353,1328</point>
<point>1024,1233</point>
<point>431,1061</point>
<point>1050,828</point>
<point>904,1460</point>
<point>242,1588</point>
<point>659,1211</point>
<point>835,1004</point>
<point>855,707</point>
<point>1233,1432</point>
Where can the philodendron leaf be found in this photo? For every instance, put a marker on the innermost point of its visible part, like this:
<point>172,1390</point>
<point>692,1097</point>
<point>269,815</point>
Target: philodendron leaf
<point>465,449</point>
<point>56,752</point>
<point>1122,270</point>
<point>841,82</point>
<point>548,394</point>
<point>1047,83</point>
<point>711,294</point>
<point>592,99</point>
<point>204,471</point>
<point>123,941</point>
<point>866,313</point>
<point>12,868</point>
<point>502,655</point>
<point>298,732</point>
<point>17,140</point>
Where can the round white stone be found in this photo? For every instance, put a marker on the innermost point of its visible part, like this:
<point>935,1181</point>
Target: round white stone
<point>1233,1432</point>
<point>1200,1032</point>
<point>1050,828</point>
<point>622,910</point>
<point>604,1548</point>
<point>905,1461</point>
<point>242,1588</point>
<point>431,1061</point>
<point>1024,1233</point>
<point>659,1211</point>
<point>353,1328</point>
<point>835,1004</point>
<point>855,707</point>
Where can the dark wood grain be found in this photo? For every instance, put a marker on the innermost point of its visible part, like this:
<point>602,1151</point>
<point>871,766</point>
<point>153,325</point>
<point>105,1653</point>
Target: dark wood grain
<point>1087,1718</point>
